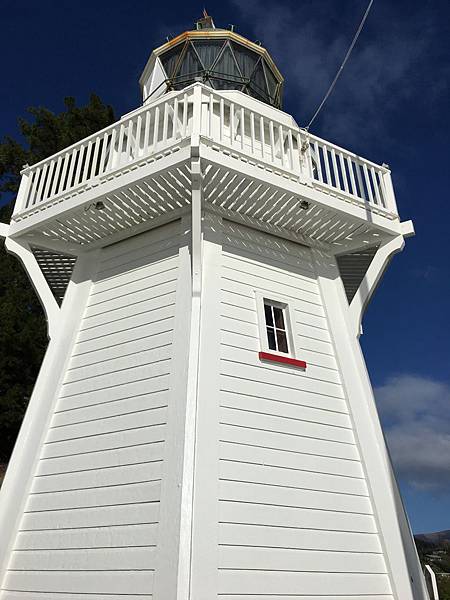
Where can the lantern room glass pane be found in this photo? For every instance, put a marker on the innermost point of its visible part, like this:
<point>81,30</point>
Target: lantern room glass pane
<point>246,59</point>
<point>258,79</point>
<point>208,51</point>
<point>226,65</point>
<point>190,63</point>
<point>170,58</point>
<point>271,81</point>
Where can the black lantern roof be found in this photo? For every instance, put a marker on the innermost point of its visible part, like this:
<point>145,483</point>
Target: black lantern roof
<point>221,59</point>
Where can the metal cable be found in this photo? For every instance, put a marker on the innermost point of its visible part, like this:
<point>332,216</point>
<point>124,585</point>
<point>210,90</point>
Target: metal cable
<point>341,68</point>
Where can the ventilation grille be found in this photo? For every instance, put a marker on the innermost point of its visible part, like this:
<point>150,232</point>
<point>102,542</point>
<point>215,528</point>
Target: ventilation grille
<point>57,270</point>
<point>353,267</point>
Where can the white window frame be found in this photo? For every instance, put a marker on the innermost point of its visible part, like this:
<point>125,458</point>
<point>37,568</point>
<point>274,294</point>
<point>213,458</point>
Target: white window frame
<point>288,318</point>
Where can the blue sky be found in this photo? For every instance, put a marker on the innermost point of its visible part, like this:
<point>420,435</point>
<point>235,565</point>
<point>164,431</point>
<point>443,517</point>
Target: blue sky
<point>391,105</point>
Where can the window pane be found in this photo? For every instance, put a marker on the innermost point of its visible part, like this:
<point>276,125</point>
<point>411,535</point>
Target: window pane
<point>170,58</point>
<point>271,338</point>
<point>268,313</point>
<point>279,317</point>
<point>282,341</point>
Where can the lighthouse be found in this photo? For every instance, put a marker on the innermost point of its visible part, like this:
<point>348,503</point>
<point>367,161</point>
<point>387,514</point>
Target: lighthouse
<point>203,425</point>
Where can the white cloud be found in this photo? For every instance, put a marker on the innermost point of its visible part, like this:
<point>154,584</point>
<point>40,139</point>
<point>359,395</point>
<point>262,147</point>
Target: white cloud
<point>416,415</point>
<point>380,76</point>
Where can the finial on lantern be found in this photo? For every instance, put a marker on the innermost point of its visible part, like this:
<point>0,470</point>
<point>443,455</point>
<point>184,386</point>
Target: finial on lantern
<point>206,22</point>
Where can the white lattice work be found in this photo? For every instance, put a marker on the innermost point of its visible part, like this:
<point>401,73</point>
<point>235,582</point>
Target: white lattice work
<point>57,269</point>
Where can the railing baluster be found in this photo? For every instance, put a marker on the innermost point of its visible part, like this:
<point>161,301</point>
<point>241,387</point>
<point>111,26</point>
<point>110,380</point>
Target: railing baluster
<point>76,180</point>
<point>281,144</point>
<point>326,162</point>
<point>290,150</point>
<point>146,141</point>
<point>252,131</point>
<point>305,148</point>
<point>112,149</point>
<point>343,171</point>
<point>175,118</point>
<point>185,114</point>
<point>165,122</point>
<point>32,196</point>
<point>367,180</point>
<point>210,114</point>
<point>353,189</point>
<point>73,157</point>
<point>61,187</point>
<point>156,129</point>
<point>318,162</point>
<point>335,170</point>
<point>137,140</point>
<point>221,120</point>
<point>375,186</point>
<point>57,176</point>
<point>362,193</point>
<point>45,193</point>
<point>262,136</point>
<point>231,123</point>
<point>87,162</point>
<point>129,140</point>
<point>101,166</point>
<point>272,141</point>
<point>383,191</point>
<point>41,182</point>
<point>95,157</point>
<point>119,145</point>
<point>242,127</point>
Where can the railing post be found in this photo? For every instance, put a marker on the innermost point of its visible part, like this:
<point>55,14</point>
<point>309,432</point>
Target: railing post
<point>196,115</point>
<point>305,163</point>
<point>391,203</point>
<point>23,192</point>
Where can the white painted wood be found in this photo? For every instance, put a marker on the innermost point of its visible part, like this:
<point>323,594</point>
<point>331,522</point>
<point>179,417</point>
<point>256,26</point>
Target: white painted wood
<point>18,478</point>
<point>51,309</point>
<point>101,462</point>
<point>371,279</point>
<point>398,546</point>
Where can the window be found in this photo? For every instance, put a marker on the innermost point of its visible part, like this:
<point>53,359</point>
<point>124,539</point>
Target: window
<point>277,339</point>
<point>275,319</point>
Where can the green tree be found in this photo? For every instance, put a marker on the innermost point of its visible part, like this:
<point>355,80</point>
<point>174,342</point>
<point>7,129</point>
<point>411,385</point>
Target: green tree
<point>23,337</point>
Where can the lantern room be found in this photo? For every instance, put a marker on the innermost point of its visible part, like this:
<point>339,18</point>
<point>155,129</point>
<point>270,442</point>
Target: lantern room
<point>219,58</point>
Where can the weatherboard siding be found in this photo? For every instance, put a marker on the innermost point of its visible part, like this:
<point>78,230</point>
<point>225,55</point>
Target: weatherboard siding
<point>90,525</point>
<point>295,517</point>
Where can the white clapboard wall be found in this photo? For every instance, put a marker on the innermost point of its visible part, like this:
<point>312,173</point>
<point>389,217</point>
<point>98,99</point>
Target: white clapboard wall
<point>90,525</point>
<point>295,514</point>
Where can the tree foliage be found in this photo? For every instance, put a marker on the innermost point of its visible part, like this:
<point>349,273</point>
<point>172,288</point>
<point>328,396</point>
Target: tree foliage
<point>23,336</point>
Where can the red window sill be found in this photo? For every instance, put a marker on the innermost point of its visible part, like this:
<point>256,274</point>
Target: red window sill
<point>282,359</point>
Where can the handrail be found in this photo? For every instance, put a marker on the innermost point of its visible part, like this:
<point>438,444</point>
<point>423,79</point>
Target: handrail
<point>231,121</point>
<point>237,125</point>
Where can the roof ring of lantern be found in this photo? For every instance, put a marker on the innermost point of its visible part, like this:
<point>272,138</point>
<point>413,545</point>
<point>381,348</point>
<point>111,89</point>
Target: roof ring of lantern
<point>219,58</point>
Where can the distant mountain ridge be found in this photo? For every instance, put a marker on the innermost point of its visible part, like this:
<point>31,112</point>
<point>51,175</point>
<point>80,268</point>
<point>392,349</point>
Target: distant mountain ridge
<point>436,537</point>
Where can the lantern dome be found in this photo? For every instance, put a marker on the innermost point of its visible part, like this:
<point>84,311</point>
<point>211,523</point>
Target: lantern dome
<point>219,58</point>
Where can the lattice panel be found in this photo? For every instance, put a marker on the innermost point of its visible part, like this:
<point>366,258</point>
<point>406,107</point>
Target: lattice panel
<point>353,267</point>
<point>57,270</point>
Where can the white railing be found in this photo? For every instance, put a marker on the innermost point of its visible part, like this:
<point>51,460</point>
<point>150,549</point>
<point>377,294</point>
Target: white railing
<point>245,128</point>
<point>338,169</point>
<point>143,133</point>
<point>240,127</point>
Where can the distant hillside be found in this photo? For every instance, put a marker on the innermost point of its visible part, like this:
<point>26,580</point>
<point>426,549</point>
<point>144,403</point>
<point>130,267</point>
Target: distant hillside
<point>437,537</point>
<point>434,550</point>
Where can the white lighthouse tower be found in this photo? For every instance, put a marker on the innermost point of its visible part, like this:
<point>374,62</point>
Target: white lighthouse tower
<point>203,426</point>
